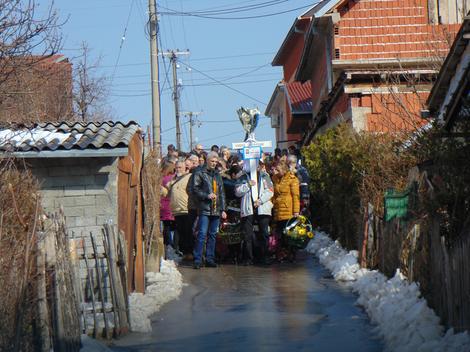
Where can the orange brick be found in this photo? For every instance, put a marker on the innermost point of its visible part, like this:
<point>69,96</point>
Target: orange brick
<point>366,101</point>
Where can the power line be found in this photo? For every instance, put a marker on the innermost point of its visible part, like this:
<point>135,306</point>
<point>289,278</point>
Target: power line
<point>225,85</point>
<point>203,79</point>
<point>176,13</point>
<point>228,134</point>
<point>240,8</point>
<point>199,59</point>
<point>221,83</point>
<point>210,70</point>
<point>191,74</point>
<point>123,38</point>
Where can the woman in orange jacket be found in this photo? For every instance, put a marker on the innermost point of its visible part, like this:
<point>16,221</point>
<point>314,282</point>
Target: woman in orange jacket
<point>286,198</point>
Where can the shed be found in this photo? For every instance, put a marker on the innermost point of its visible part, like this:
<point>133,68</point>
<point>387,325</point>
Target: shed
<point>93,171</point>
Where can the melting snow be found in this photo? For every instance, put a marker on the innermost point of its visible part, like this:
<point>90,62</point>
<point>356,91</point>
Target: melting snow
<point>161,288</point>
<point>403,317</point>
<point>16,138</point>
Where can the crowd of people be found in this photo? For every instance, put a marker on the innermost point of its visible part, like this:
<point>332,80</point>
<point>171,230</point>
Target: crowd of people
<point>199,187</point>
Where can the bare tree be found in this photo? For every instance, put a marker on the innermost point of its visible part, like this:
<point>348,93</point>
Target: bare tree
<point>405,89</point>
<point>90,89</point>
<point>28,45</point>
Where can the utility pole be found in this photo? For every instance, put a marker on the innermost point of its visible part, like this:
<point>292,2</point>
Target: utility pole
<point>173,54</point>
<point>192,122</point>
<point>156,126</point>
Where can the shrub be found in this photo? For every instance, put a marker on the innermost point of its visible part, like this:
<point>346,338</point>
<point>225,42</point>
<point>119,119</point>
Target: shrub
<point>350,170</point>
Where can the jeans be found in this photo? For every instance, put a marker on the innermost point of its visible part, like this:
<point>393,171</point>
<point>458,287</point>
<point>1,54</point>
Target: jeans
<point>207,227</point>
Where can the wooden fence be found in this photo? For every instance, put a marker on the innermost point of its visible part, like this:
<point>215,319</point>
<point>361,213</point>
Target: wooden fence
<point>57,306</point>
<point>450,277</point>
<point>418,249</point>
<point>100,276</point>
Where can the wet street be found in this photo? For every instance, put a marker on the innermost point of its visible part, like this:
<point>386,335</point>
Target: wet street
<point>285,307</point>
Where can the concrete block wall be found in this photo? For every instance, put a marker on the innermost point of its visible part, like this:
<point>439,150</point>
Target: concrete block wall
<point>86,189</point>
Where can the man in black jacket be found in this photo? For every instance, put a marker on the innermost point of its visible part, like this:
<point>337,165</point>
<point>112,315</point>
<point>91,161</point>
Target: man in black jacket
<point>208,187</point>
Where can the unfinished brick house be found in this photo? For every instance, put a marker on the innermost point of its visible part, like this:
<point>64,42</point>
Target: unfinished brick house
<point>36,89</point>
<point>373,62</point>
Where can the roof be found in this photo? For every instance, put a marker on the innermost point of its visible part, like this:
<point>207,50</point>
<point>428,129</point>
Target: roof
<point>300,97</point>
<point>109,137</point>
<point>449,69</point>
<point>299,22</point>
<point>323,7</point>
<point>315,11</point>
<point>318,11</point>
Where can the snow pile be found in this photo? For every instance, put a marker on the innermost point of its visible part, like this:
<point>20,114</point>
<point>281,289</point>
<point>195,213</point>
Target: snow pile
<point>161,288</point>
<point>402,316</point>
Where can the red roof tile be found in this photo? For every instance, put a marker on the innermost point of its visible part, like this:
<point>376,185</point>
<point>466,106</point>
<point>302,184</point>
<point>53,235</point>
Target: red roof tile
<point>300,96</point>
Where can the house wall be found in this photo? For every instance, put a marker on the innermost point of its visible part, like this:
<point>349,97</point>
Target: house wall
<point>86,189</point>
<point>320,77</point>
<point>37,91</point>
<point>296,45</point>
<point>395,112</point>
<point>371,29</point>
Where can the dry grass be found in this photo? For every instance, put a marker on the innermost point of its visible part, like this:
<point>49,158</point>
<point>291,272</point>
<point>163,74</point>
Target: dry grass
<point>19,207</point>
<point>151,179</point>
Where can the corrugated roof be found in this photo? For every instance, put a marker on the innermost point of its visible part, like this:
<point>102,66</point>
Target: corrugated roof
<point>300,97</point>
<point>68,136</point>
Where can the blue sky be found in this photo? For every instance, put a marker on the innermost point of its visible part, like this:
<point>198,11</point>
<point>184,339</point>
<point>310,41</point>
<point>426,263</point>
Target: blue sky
<point>220,49</point>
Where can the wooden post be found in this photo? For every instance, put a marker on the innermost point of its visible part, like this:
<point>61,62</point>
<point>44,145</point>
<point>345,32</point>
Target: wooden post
<point>92,293</point>
<point>75,244</point>
<point>100,286</point>
<point>122,260</point>
<point>112,282</point>
<point>43,311</point>
<point>119,288</point>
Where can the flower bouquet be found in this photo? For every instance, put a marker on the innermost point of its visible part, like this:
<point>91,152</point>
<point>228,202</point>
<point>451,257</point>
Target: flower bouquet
<point>298,232</point>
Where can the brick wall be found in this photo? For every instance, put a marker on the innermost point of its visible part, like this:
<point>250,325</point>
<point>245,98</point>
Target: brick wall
<point>395,112</point>
<point>380,29</point>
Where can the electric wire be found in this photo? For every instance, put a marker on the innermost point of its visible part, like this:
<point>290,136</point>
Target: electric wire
<point>241,8</point>
<point>228,134</point>
<point>224,84</point>
<point>171,12</point>
<point>272,75</point>
<point>197,59</point>
<point>123,38</point>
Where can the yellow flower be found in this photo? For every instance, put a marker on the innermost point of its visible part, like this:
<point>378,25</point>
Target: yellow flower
<point>310,234</point>
<point>302,232</point>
